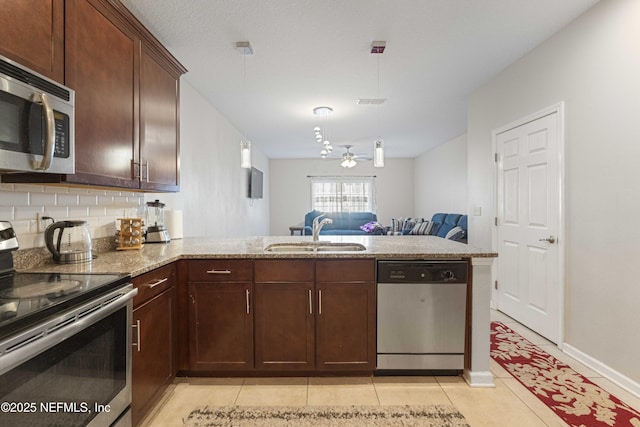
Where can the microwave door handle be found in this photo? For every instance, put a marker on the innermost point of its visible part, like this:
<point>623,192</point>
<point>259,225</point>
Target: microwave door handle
<point>50,134</point>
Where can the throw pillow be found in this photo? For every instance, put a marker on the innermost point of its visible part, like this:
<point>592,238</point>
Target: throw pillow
<point>421,228</point>
<point>372,227</point>
<point>456,233</point>
<point>396,225</point>
<point>409,223</point>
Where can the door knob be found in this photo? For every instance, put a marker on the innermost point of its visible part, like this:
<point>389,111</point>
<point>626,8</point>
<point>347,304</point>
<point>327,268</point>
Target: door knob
<point>549,239</point>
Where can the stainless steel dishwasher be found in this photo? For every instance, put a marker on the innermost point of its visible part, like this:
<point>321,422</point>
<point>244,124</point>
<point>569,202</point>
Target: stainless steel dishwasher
<point>421,315</point>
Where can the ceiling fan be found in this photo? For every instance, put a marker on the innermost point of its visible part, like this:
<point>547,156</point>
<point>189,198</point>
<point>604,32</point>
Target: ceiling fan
<point>349,158</point>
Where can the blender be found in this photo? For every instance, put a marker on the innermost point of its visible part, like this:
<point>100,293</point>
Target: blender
<point>156,231</point>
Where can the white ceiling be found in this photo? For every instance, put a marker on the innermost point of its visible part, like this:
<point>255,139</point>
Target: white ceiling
<point>309,53</point>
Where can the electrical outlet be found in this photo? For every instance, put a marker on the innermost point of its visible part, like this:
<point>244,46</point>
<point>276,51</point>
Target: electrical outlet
<point>43,220</point>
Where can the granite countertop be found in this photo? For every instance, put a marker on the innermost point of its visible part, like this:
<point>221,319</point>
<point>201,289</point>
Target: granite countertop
<point>154,255</point>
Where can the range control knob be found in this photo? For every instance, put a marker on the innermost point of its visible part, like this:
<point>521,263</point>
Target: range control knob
<point>447,275</point>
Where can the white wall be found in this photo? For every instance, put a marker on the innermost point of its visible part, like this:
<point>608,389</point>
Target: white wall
<point>290,188</point>
<point>441,179</point>
<point>213,186</point>
<point>593,66</point>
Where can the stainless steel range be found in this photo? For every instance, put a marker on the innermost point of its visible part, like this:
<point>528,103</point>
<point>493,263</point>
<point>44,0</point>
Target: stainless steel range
<point>65,346</point>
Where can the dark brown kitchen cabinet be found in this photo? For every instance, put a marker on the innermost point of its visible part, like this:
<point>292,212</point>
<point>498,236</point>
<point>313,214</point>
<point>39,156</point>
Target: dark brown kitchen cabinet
<point>102,61</point>
<point>284,315</point>
<point>154,338</point>
<point>126,101</point>
<point>346,315</point>
<point>220,315</point>
<point>159,100</point>
<point>32,34</point>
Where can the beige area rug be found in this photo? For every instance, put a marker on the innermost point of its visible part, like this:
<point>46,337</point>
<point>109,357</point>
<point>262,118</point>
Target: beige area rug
<point>327,416</point>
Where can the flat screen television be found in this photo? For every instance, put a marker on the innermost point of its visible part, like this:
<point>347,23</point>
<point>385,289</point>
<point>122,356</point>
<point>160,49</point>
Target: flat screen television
<point>255,183</point>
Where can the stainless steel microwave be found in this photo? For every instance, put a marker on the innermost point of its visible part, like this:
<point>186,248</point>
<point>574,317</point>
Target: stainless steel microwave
<point>36,122</point>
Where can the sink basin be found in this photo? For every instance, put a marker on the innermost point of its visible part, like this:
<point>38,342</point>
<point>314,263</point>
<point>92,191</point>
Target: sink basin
<point>315,247</point>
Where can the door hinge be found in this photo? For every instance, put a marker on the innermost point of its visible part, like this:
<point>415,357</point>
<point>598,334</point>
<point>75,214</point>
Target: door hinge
<point>495,157</point>
<point>495,285</point>
<point>495,220</point>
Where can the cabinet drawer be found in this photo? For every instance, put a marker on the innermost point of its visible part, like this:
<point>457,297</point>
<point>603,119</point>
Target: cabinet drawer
<point>284,270</point>
<point>346,270</point>
<point>153,283</point>
<point>220,270</point>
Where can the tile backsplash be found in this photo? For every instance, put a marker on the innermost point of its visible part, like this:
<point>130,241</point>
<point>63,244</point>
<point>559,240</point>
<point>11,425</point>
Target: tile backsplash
<point>20,204</point>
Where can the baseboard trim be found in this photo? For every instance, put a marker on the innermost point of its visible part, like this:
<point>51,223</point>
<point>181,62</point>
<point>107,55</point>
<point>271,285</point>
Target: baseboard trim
<point>609,373</point>
<point>478,378</point>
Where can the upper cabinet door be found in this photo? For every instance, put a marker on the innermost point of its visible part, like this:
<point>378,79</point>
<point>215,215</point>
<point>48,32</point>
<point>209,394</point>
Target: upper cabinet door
<point>159,139</point>
<point>101,60</point>
<point>32,34</point>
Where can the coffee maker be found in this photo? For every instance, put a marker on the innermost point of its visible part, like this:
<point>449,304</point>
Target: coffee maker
<point>156,230</point>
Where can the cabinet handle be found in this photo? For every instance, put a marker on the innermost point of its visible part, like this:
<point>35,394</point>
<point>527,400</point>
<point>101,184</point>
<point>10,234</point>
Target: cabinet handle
<point>247,295</point>
<point>146,166</point>
<point>310,303</point>
<point>193,299</point>
<point>137,344</point>
<point>218,271</point>
<point>139,174</point>
<point>159,282</point>
<point>319,301</point>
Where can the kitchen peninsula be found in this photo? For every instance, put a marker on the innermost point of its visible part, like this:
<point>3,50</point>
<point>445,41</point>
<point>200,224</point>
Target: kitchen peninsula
<point>153,256</point>
<point>194,274</point>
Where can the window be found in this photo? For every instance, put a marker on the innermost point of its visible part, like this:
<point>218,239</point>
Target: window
<point>343,194</point>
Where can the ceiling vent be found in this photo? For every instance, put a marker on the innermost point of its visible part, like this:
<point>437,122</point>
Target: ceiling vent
<point>371,101</point>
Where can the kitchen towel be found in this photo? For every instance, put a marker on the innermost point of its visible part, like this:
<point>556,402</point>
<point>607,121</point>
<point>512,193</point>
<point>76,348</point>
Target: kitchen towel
<point>173,222</point>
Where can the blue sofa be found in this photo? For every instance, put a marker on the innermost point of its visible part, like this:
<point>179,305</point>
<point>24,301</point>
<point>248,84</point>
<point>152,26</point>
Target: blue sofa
<point>441,225</point>
<point>344,223</point>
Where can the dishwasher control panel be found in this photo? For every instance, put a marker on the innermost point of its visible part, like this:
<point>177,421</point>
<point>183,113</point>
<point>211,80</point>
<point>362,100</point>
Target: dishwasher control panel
<point>422,271</point>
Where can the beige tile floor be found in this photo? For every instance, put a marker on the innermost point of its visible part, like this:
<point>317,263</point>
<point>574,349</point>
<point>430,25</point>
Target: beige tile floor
<point>508,404</point>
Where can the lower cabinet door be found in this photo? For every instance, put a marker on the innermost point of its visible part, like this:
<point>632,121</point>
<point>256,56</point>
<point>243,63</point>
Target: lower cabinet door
<point>220,326</point>
<point>153,338</point>
<point>284,337</point>
<point>346,327</point>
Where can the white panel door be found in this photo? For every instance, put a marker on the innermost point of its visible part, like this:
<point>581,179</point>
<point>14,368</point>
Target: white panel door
<point>528,198</point>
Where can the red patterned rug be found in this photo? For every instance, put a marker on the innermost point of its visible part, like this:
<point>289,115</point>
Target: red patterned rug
<point>575,399</point>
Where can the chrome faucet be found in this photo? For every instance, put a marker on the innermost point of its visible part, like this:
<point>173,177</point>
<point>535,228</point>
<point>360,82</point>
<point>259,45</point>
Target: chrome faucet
<point>317,225</point>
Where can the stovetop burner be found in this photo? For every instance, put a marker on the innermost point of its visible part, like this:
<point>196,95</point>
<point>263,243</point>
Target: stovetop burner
<point>26,298</point>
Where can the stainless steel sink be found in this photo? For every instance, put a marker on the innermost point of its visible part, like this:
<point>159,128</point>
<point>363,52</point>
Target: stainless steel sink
<point>315,247</point>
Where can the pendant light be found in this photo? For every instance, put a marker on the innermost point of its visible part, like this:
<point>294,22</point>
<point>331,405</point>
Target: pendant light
<point>245,145</point>
<point>323,113</point>
<point>377,48</point>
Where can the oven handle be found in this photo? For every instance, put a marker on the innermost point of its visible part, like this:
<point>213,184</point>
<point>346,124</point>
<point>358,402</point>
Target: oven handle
<point>40,338</point>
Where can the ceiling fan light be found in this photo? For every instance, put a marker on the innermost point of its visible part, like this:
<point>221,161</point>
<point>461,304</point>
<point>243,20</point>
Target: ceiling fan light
<point>348,162</point>
<point>378,153</point>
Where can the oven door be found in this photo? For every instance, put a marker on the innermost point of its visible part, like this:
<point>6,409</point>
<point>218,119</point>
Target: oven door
<point>74,370</point>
